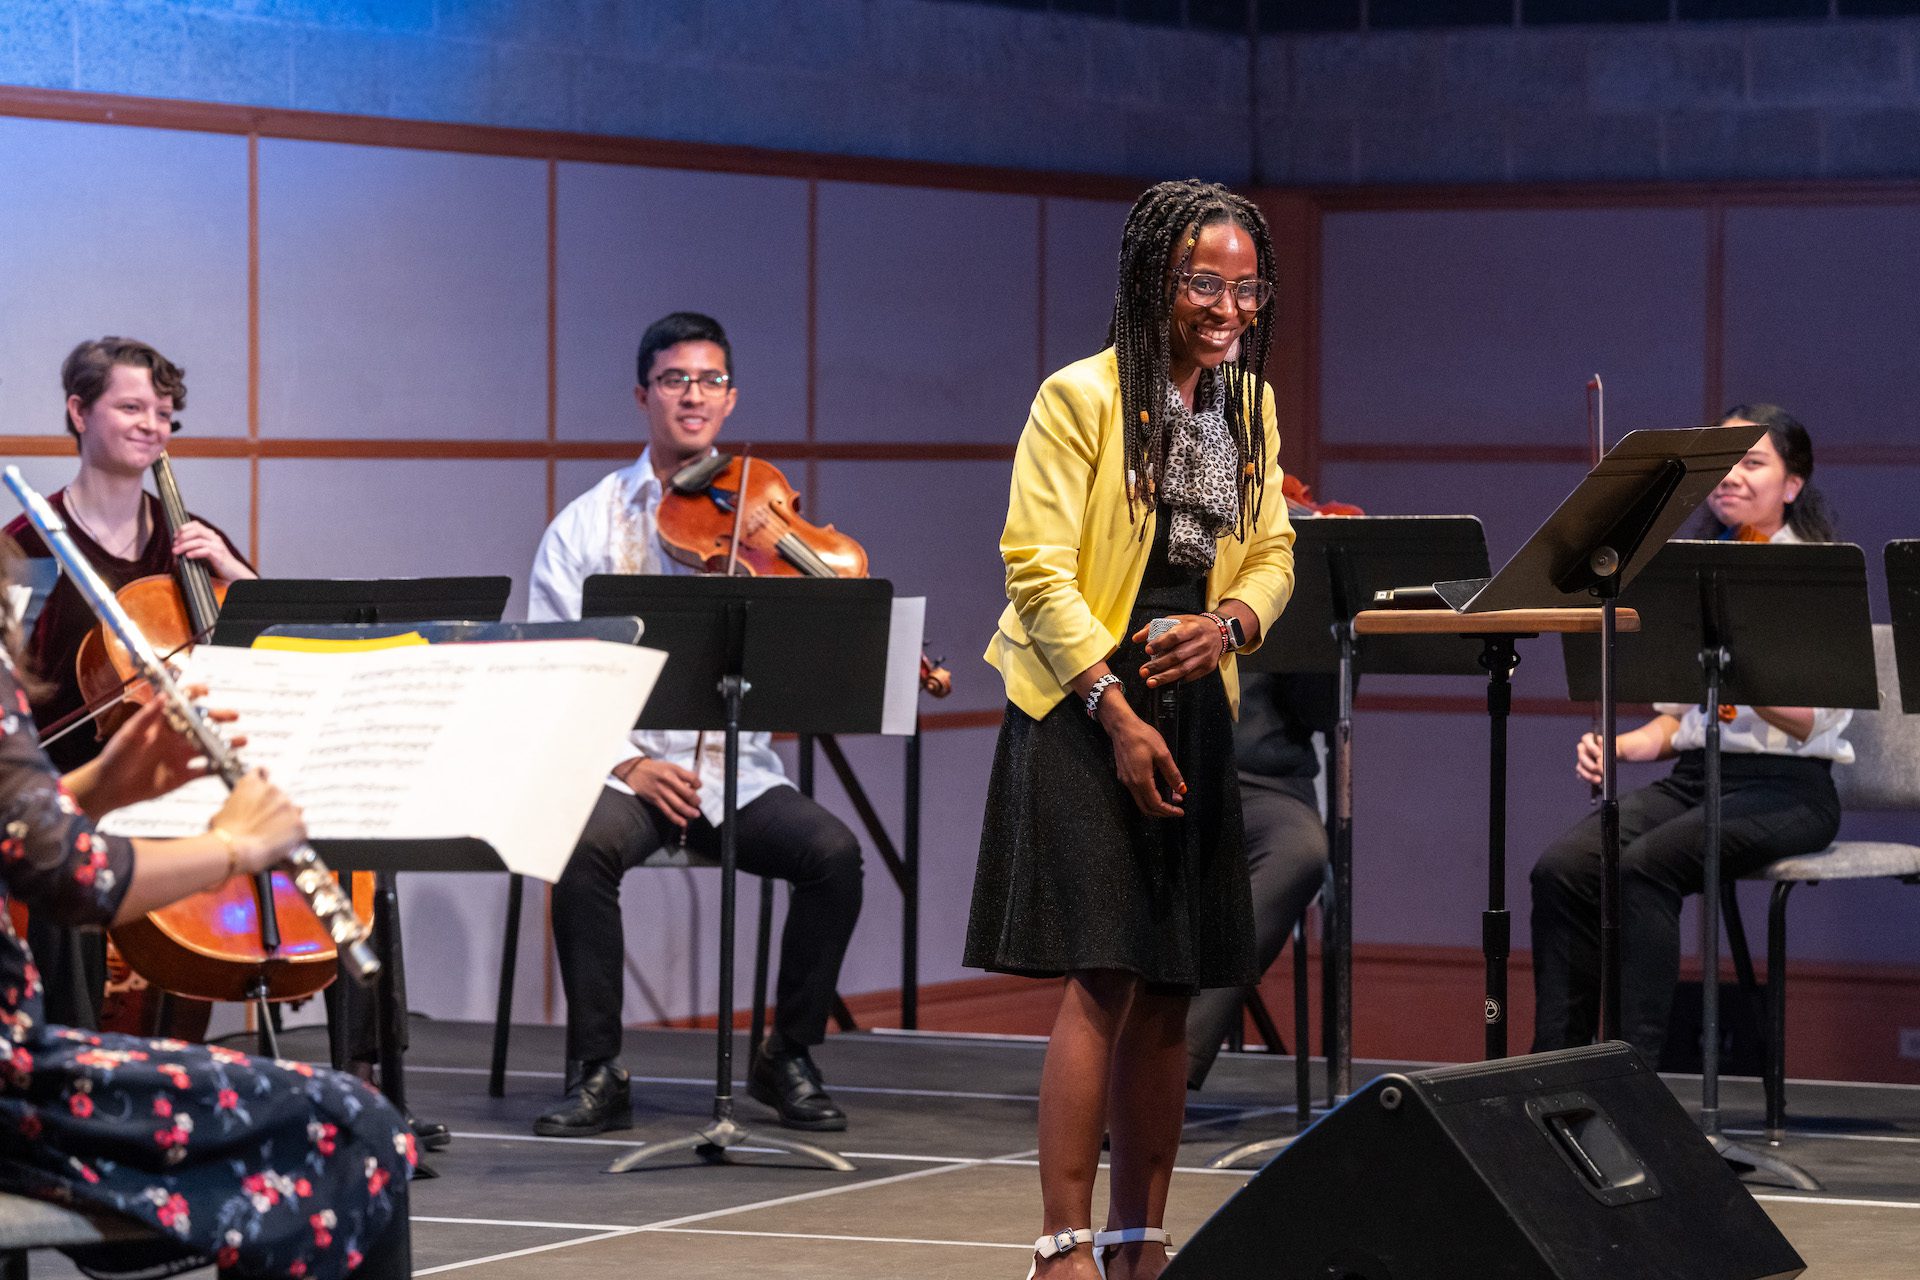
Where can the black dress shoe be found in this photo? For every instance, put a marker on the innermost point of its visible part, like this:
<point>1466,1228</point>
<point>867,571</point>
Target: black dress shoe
<point>430,1134</point>
<point>789,1083</point>
<point>595,1103</point>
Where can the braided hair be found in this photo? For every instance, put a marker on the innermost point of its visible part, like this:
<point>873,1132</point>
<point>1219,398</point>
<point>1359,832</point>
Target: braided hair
<point>1158,240</point>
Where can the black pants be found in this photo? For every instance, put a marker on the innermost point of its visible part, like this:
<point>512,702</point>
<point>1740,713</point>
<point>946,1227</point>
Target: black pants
<point>1286,861</point>
<point>1771,807</point>
<point>782,834</point>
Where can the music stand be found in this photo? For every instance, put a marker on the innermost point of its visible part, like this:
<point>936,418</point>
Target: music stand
<point>255,605</point>
<point>1902,560</point>
<point>1767,625</point>
<point>454,853</point>
<point>1339,562</point>
<point>812,652</point>
<point>1596,541</point>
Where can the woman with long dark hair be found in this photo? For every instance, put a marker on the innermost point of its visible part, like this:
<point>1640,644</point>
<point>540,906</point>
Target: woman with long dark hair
<point>1777,794</point>
<point>1145,545</point>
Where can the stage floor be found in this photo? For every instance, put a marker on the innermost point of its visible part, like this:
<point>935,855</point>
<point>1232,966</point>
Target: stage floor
<point>942,1132</point>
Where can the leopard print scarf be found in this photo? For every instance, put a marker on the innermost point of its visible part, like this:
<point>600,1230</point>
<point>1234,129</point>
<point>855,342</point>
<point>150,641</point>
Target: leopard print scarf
<point>1199,486</point>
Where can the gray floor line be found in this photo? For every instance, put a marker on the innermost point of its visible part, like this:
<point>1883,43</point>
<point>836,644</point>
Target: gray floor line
<point>521,1253</point>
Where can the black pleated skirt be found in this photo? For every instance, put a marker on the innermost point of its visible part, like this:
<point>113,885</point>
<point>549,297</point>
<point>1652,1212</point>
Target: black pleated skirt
<point>1072,876</point>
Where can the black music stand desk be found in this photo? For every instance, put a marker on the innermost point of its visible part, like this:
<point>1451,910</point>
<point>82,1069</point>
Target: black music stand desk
<point>306,606</point>
<point>1339,562</point>
<point>800,655</point>
<point>1595,542</point>
<point>1902,560</point>
<point>1758,624</point>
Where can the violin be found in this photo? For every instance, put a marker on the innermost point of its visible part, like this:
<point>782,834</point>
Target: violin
<point>1301,502</point>
<point>1747,533</point>
<point>739,515</point>
<point>252,935</point>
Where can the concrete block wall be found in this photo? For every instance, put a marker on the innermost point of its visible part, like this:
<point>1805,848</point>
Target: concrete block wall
<point>978,83</point>
<point>1664,102</point>
<point>891,78</point>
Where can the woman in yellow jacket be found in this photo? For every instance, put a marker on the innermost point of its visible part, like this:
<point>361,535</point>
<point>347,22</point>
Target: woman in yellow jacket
<point>1111,851</point>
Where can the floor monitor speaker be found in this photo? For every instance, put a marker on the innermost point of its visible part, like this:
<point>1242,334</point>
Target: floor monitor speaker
<point>1576,1165</point>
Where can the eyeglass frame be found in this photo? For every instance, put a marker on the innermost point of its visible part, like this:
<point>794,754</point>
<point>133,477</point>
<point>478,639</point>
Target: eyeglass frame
<point>1185,279</point>
<point>704,381</point>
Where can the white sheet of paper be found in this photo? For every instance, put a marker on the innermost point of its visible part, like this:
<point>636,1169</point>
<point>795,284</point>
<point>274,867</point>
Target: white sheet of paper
<point>906,637</point>
<point>505,742</point>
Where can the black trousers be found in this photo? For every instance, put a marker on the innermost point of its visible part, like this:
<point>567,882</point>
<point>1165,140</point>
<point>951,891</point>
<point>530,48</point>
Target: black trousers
<point>1286,861</point>
<point>1771,807</point>
<point>781,834</point>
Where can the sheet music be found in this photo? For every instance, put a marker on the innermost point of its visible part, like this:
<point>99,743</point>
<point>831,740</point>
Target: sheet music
<point>506,742</point>
<point>906,637</point>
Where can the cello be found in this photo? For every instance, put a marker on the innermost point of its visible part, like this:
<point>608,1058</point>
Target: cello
<point>253,937</point>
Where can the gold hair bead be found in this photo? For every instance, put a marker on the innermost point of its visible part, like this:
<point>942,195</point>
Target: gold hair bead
<point>1145,416</point>
<point>1247,471</point>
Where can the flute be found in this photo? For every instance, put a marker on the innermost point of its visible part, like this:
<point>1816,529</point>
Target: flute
<point>308,873</point>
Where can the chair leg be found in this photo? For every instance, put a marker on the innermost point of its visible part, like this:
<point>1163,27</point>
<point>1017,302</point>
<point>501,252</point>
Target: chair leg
<point>1263,1022</point>
<point>1302,1078</point>
<point>1237,1029</point>
<point>1777,1012</point>
<point>503,1011</point>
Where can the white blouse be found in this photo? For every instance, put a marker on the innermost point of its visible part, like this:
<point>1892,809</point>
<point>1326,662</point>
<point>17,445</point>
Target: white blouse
<point>1748,734</point>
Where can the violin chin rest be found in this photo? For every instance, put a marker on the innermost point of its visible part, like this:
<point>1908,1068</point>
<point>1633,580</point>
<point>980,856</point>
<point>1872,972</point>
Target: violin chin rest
<point>695,477</point>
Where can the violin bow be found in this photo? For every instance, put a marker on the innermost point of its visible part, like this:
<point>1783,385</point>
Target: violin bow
<point>1597,441</point>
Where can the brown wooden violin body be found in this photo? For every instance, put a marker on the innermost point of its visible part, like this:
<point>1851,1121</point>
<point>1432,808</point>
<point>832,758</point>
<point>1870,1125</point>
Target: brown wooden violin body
<point>705,512</point>
<point>211,946</point>
<point>697,526</point>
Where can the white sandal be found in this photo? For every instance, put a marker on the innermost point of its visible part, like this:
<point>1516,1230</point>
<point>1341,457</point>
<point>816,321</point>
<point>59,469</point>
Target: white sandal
<point>1105,1240</point>
<point>1063,1242</point>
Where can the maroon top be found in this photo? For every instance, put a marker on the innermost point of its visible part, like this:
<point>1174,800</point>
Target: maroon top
<point>67,618</point>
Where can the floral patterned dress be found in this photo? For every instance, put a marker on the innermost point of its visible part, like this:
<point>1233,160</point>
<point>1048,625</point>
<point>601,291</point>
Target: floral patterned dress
<point>269,1168</point>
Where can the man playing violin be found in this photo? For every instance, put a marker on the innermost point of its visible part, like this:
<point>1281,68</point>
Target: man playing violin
<point>121,396</point>
<point>666,786</point>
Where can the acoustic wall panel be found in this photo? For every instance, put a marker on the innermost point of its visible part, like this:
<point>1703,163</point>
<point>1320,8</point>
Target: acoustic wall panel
<point>1483,325</point>
<point>1083,253</point>
<point>137,232</point>
<point>321,518</point>
<point>928,314</point>
<point>403,294</point>
<point>634,244</point>
<point>1420,821</point>
<point>1820,317</point>
<point>933,528</point>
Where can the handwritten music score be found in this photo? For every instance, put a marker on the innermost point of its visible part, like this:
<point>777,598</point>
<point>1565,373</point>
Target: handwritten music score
<point>505,742</point>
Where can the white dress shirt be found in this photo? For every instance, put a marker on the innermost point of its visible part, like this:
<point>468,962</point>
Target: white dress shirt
<point>611,528</point>
<point>1748,734</point>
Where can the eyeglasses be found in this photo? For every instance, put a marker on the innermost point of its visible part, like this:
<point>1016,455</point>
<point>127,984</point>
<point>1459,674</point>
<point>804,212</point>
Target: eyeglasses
<point>1204,289</point>
<point>677,380</point>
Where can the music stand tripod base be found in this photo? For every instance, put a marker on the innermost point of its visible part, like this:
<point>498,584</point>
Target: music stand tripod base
<point>1771,1170</point>
<point>713,1143</point>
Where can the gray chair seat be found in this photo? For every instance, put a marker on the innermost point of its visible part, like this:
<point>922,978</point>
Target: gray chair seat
<point>1885,777</point>
<point>26,1223</point>
<point>1846,860</point>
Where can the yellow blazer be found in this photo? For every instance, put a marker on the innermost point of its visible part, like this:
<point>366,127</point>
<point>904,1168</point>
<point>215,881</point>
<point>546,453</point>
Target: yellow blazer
<point>1068,610</point>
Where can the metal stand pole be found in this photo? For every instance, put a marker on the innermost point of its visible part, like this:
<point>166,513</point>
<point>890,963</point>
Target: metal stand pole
<point>910,889</point>
<point>1498,657</point>
<point>1766,1168</point>
<point>1339,955</point>
<point>1609,590</point>
<point>714,1142</point>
